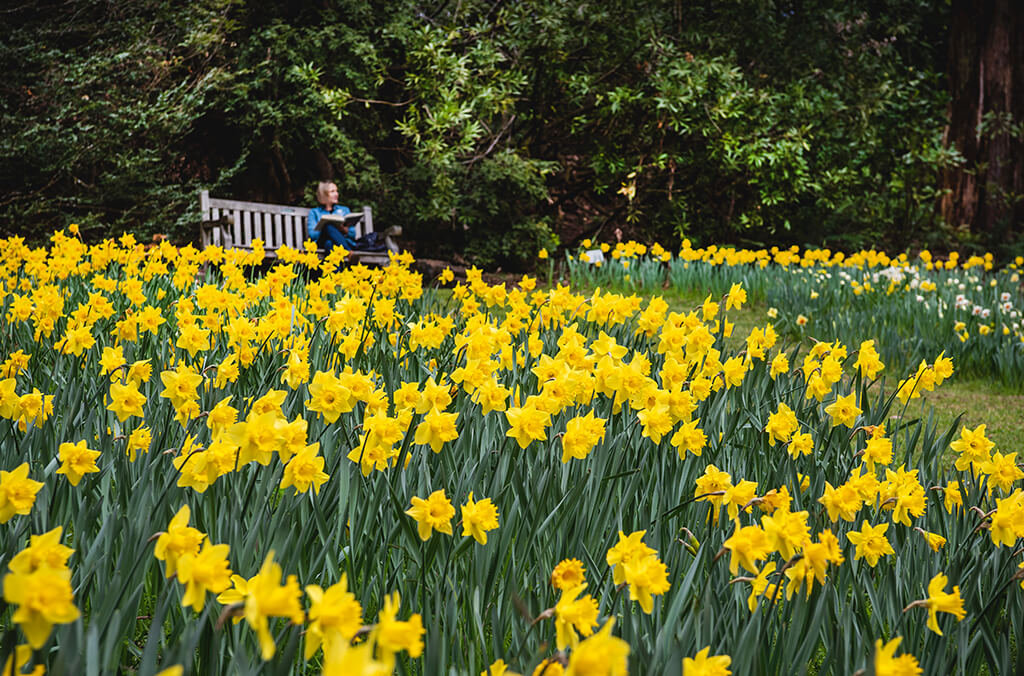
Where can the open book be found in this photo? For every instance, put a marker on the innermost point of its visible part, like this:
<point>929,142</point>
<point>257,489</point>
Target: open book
<point>339,220</point>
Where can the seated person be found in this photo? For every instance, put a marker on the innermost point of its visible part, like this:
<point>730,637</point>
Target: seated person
<point>330,235</point>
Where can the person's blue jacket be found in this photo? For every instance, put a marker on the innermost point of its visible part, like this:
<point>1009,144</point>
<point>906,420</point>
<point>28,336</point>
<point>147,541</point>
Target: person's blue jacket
<point>316,213</point>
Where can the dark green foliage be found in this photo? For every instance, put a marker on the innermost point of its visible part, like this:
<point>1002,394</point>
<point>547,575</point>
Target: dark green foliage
<point>99,102</point>
<point>484,127</point>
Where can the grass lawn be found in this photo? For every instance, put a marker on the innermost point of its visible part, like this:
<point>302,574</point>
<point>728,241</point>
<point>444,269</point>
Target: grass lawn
<point>981,402</point>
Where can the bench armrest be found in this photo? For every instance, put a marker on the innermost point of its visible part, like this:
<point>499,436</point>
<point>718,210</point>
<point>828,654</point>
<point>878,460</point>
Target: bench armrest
<point>216,232</point>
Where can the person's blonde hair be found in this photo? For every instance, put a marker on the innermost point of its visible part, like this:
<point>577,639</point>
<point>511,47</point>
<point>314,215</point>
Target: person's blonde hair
<point>321,190</point>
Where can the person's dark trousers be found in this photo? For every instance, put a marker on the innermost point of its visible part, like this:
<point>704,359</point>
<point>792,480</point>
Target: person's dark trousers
<point>330,237</point>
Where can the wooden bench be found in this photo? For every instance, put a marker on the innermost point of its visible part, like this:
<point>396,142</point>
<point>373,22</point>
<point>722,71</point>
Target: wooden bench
<point>232,224</point>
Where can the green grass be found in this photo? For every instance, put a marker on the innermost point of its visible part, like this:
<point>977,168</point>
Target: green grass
<point>981,402</point>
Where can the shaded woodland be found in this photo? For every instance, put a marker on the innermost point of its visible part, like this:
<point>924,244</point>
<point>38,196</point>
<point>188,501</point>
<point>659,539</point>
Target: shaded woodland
<point>490,129</point>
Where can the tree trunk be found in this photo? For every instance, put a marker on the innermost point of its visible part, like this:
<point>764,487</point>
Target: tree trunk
<point>986,83</point>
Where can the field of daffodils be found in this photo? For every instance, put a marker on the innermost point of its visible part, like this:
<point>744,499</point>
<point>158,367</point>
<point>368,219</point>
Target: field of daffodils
<point>343,470</point>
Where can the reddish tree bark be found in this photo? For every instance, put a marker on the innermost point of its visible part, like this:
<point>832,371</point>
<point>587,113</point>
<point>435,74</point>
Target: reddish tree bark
<point>986,75</point>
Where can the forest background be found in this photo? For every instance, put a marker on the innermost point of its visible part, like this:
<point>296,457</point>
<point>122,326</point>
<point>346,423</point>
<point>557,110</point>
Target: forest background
<point>489,129</point>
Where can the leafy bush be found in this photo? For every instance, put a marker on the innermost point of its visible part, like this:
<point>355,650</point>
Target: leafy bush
<point>732,123</point>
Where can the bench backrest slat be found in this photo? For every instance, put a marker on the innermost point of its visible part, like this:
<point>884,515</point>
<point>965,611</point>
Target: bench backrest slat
<point>235,205</point>
<point>264,229</point>
<point>259,226</point>
<point>289,233</point>
<point>367,224</point>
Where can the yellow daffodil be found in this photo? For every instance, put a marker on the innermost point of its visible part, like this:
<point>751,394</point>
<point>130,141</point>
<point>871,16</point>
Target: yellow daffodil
<point>478,517</point>
<point>582,433</point>
<point>393,635</point>
<point>305,469</point>
<point>17,492</point>
<point>44,598</point>
<point>870,543</point>
<point>705,664</point>
<point>206,571</point>
<point>76,461</point>
<point>844,410</point>
<point>781,424</point>
<point>433,513</point>
<point>266,598</point>
<point>126,400</point>
<point>436,429</point>
<point>334,616</point>
<point>887,664</point>
<point>575,616</point>
<point>177,541</point>
<point>600,655</point>
<point>527,424</point>
<point>567,574</point>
